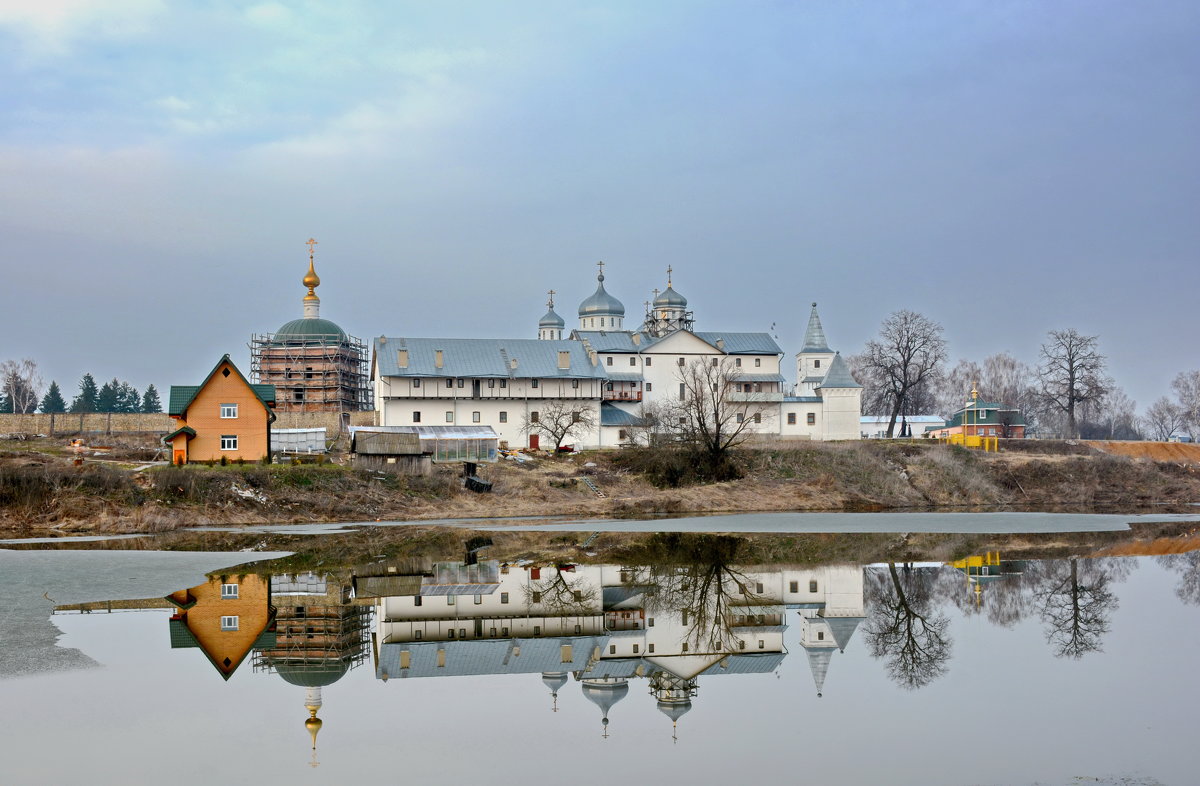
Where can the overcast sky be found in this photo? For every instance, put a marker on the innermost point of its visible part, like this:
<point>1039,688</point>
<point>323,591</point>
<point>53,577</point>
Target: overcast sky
<point>1005,168</point>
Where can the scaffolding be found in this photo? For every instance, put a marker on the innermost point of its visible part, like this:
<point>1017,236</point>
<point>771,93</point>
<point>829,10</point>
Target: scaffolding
<point>315,372</point>
<point>317,637</point>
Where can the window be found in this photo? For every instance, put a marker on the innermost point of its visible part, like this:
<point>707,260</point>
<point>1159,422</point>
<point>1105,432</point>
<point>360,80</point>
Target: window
<point>633,361</point>
<point>576,417</point>
<point>533,417</point>
<point>533,383</point>
<point>449,600</point>
<point>298,394</point>
<point>449,383</point>
<point>417,634</point>
<point>416,383</point>
<point>536,597</point>
<point>229,591</point>
<point>650,648</point>
<point>229,623</point>
<point>820,635</point>
<point>578,595</point>
<point>503,383</point>
<point>503,417</point>
<point>416,600</point>
<point>462,382</point>
<point>635,649</point>
<point>650,622</point>
<point>575,384</point>
<point>757,362</point>
<point>612,649</point>
<point>475,417</point>
<point>681,361</point>
<point>737,362</point>
<point>416,417</point>
<point>817,363</point>
<point>491,383</point>
<point>758,587</point>
<point>229,410</point>
<point>478,599</point>
<point>758,417</point>
<point>741,644</point>
<point>601,321</point>
<point>229,442</point>
<point>794,586</point>
<point>791,418</point>
<point>684,618</point>
<point>450,633</point>
<point>684,648</point>
<point>812,586</point>
<point>740,417</point>
<point>622,434</point>
<point>609,386</point>
<point>714,362</point>
<point>714,387</point>
<point>649,385</point>
<point>537,630</point>
<point>608,360</point>
<point>308,374</point>
<point>682,391</point>
<point>762,645</point>
<point>504,597</point>
<point>812,418</point>
<point>449,416</point>
<point>647,361</point>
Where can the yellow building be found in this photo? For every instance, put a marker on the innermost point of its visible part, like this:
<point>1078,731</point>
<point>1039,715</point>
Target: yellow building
<point>225,618</point>
<point>223,417</point>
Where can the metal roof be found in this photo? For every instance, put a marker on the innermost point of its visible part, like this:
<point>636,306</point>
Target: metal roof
<point>839,375</point>
<point>612,415</point>
<point>615,340</point>
<point>552,320</point>
<point>624,376</point>
<point>747,663</point>
<point>467,657</point>
<point>739,377</point>
<point>742,343</point>
<point>600,303</point>
<point>386,443</point>
<point>310,330</point>
<point>669,298</point>
<point>483,358</point>
<point>802,399</point>
<point>814,336</point>
<point>431,432</point>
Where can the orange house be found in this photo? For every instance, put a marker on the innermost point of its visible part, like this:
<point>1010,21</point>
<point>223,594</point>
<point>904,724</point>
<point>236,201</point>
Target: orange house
<point>225,618</point>
<point>223,417</point>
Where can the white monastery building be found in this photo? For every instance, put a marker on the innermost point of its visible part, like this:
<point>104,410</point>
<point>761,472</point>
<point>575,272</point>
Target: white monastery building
<point>611,373</point>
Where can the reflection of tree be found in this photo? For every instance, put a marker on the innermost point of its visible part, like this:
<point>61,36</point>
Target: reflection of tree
<point>694,577</point>
<point>1188,567</point>
<point>1076,603</point>
<point>903,628</point>
<point>559,596</point>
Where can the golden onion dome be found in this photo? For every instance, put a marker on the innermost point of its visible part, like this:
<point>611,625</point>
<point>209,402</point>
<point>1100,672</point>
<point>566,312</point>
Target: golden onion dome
<point>311,280</point>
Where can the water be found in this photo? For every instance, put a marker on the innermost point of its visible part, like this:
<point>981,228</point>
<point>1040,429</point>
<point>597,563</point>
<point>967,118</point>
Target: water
<point>1004,690</point>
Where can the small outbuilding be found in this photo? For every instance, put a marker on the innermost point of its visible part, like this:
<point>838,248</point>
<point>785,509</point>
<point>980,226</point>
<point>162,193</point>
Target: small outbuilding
<point>389,451</point>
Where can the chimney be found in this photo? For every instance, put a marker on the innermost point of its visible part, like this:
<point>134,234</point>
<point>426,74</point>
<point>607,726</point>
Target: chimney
<point>513,364</point>
<point>564,359</point>
<point>402,358</point>
<point>721,344</point>
<point>438,358</point>
<point>636,338</point>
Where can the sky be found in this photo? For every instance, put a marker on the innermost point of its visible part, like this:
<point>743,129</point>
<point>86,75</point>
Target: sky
<point>1003,168</point>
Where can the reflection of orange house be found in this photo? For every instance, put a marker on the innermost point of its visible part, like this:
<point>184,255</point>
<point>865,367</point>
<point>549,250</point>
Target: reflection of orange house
<point>226,618</point>
<point>223,417</point>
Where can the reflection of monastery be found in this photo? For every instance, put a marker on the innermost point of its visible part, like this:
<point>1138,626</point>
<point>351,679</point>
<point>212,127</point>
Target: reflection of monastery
<point>606,625</point>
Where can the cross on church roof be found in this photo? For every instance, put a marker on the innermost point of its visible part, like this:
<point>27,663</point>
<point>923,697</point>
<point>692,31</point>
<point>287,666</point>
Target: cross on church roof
<point>551,293</point>
<point>310,243</point>
<point>668,276</point>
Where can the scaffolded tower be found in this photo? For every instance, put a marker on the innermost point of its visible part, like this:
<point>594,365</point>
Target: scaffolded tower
<point>314,365</point>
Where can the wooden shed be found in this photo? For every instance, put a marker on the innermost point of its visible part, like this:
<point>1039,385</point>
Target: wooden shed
<point>389,451</point>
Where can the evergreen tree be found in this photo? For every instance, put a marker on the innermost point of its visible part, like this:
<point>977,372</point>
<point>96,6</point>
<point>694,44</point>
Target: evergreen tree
<point>106,400</point>
<point>128,399</point>
<point>150,402</point>
<point>88,394</point>
<point>6,404</point>
<point>53,400</point>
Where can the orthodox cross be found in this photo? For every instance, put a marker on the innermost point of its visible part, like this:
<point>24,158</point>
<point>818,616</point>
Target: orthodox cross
<point>551,293</point>
<point>310,243</point>
<point>668,275</point>
<point>601,266</point>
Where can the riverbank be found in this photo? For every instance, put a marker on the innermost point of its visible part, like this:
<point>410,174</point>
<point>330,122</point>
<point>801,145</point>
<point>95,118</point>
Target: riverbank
<point>42,493</point>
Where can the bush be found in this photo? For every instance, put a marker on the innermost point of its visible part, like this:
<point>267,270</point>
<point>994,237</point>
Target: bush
<point>672,466</point>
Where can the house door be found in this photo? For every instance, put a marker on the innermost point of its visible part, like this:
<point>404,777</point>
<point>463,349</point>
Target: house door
<point>533,441</point>
<point>180,458</point>
<point>475,388</point>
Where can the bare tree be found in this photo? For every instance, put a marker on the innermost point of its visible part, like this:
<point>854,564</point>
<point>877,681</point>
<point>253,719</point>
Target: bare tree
<point>557,420</point>
<point>906,357</point>
<point>563,593</point>
<point>1163,419</point>
<point>903,628</point>
<point>22,384</point>
<point>1188,567</point>
<point>1112,417</point>
<point>714,414</point>
<point>1071,373</point>
<point>1076,605</point>
<point>1187,395</point>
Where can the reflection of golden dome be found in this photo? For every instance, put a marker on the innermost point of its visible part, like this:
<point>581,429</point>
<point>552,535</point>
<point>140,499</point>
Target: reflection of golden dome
<point>313,725</point>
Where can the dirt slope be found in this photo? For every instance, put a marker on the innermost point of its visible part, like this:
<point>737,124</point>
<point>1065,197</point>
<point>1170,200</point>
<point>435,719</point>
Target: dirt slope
<point>1177,452</point>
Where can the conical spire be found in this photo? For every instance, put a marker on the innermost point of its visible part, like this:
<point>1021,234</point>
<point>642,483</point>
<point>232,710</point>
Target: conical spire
<point>818,663</point>
<point>814,336</point>
<point>839,375</point>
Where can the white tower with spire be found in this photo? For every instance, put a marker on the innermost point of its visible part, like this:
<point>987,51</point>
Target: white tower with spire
<point>814,358</point>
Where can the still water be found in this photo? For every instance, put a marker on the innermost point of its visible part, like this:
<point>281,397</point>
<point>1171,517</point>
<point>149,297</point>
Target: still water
<point>1000,672</point>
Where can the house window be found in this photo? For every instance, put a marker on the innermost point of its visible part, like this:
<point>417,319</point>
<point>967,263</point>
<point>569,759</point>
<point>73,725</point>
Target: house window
<point>462,383</point>
<point>575,417</point>
<point>503,383</point>
<point>608,360</point>
<point>504,597</point>
<point>229,623</point>
<point>794,586</point>
<point>811,418</point>
<point>533,383</point>
<point>714,362</point>
<point>682,391</point>
<point>762,644</point>
<point>812,586</point>
<point>791,418</point>
<point>622,434</point>
<point>609,386</point>
<point>229,442</point>
<point>416,600</point>
<point>308,373</point>
<point>416,417</point>
<point>681,361</point>
<point>491,383</point>
<point>647,361</point>
<point>298,394</point>
<point>503,417</point>
<point>474,417</point>
<point>650,648</point>
<point>741,644</point>
<point>684,648</point>
<point>416,383</point>
<point>737,362</point>
<point>536,597</point>
<point>575,384</point>
<point>449,416</point>
<point>635,649</point>
<point>758,587</point>
<point>449,600</point>
<point>757,362</point>
<point>478,599</point>
<point>533,417</point>
<point>649,385</point>
<point>449,383</point>
<point>758,417</point>
<point>229,591</point>
<point>612,649</point>
<point>633,361</point>
<point>229,410</point>
<point>817,363</point>
<point>650,622</point>
<point>537,630</point>
<point>740,417</point>
<point>820,635</point>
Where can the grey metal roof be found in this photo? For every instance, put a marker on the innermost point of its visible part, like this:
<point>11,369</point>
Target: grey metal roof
<point>431,432</point>
<point>758,378</point>
<point>615,340</point>
<point>669,298</point>
<point>467,657</point>
<point>624,376</point>
<point>600,303</point>
<point>483,358</point>
<point>818,664</point>
<point>612,415</point>
<point>842,629</point>
<point>747,663</point>
<point>839,375</point>
<point>552,320</point>
<point>814,336</point>
<point>742,343</point>
<point>802,399</point>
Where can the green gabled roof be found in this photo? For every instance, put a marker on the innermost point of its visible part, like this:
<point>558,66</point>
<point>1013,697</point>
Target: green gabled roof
<point>191,432</point>
<point>180,635</point>
<point>985,414</point>
<point>182,395</point>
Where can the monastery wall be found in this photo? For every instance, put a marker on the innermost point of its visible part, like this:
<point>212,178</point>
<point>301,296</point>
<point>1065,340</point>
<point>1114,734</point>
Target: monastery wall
<point>66,423</point>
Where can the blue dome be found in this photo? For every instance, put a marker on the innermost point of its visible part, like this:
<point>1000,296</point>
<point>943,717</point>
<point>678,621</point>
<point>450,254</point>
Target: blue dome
<point>601,304</point>
<point>552,320</point>
<point>670,299</point>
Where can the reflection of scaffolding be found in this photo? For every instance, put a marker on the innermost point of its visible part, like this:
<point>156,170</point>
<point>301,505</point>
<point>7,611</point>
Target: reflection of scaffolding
<point>317,636</point>
<point>312,372</point>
